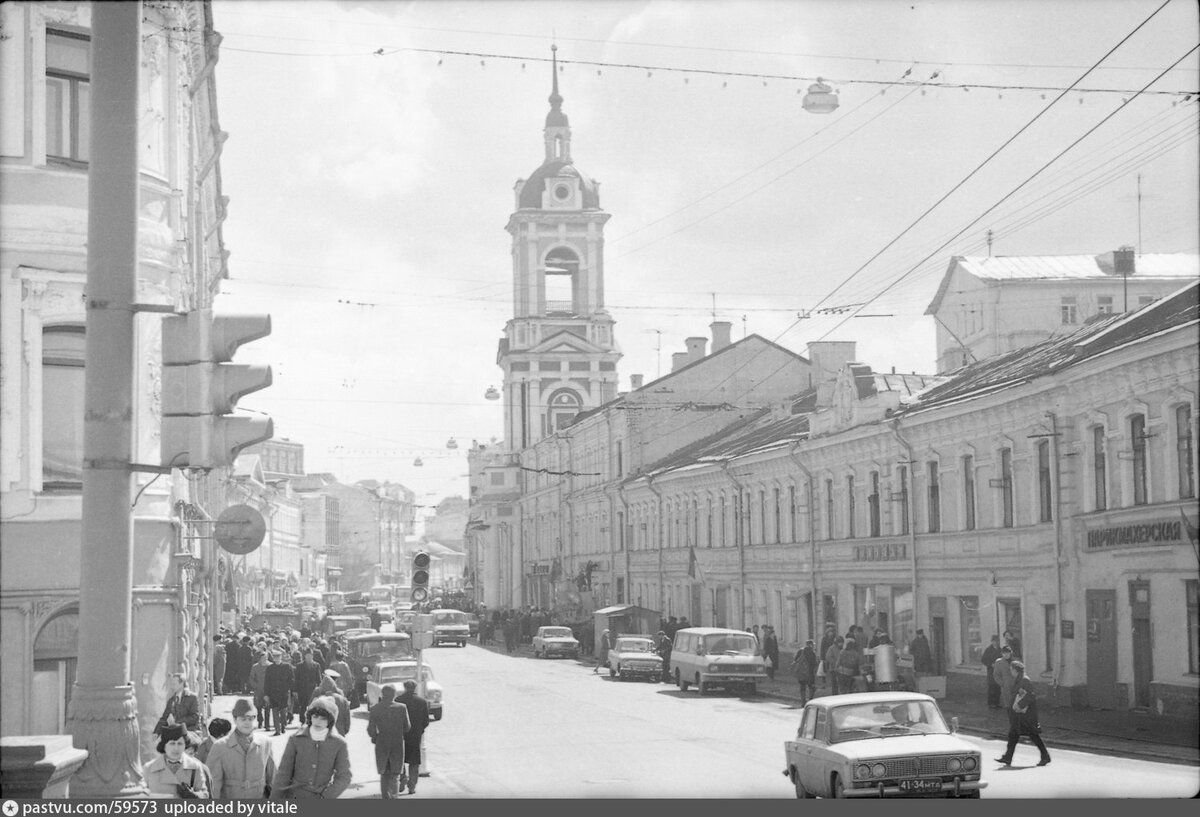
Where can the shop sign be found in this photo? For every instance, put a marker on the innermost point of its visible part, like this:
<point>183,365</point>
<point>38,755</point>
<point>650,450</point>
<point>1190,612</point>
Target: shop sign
<point>886,552</point>
<point>539,570</point>
<point>1127,535</point>
<point>1068,628</point>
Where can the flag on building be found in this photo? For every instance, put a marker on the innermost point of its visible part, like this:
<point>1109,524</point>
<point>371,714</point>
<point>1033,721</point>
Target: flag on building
<point>694,570</point>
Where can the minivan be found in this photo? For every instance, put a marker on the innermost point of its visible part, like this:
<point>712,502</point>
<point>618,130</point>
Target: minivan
<point>715,657</point>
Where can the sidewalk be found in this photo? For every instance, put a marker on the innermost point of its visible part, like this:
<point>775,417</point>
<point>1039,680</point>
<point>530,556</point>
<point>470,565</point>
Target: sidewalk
<point>1128,733</point>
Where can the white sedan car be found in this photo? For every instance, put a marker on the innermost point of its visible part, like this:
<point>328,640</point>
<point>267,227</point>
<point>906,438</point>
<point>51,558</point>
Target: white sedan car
<point>396,673</point>
<point>880,744</point>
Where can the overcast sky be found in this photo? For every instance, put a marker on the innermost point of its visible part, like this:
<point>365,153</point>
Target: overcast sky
<point>374,147</point>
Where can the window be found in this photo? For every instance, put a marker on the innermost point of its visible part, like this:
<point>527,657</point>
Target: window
<point>935,499</point>
<point>792,512</point>
<point>68,95</point>
<point>620,460</point>
<point>778,538</point>
<point>497,477</point>
<point>828,509</point>
<point>1099,468</point>
<point>1104,305</point>
<point>1183,451</point>
<point>62,407</point>
<point>968,468</point>
<point>1137,434</point>
<point>762,517</point>
<point>1045,488</point>
<point>1051,627</point>
<point>721,504</point>
<point>564,405</point>
<point>708,524</point>
<point>969,630</point>
<point>1006,486</point>
<point>903,474</point>
<point>850,507</point>
<point>873,504</point>
<point>1068,310</point>
<point>1193,626</point>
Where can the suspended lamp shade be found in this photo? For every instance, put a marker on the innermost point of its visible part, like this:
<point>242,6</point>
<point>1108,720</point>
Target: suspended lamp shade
<point>451,443</point>
<point>492,393</point>
<point>820,98</point>
<point>418,462</point>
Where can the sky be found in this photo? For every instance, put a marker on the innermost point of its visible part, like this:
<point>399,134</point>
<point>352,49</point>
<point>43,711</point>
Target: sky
<point>374,147</point>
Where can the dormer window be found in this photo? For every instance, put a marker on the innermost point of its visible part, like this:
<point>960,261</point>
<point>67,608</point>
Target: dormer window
<point>562,192</point>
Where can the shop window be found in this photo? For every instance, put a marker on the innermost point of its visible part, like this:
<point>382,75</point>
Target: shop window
<point>970,630</point>
<point>63,350</point>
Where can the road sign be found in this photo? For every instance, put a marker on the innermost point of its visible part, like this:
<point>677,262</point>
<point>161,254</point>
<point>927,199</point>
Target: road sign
<point>240,529</point>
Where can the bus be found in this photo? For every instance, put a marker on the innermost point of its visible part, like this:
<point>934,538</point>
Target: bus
<point>380,594</point>
<point>334,600</point>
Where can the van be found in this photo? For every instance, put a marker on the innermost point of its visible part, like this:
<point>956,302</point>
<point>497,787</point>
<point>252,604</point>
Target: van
<point>715,657</point>
<point>450,627</point>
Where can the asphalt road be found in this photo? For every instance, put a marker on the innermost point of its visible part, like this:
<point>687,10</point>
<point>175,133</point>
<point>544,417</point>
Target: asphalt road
<point>517,727</point>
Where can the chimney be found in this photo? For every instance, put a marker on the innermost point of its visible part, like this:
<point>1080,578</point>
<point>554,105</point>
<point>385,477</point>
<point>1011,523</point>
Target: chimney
<point>695,348</point>
<point>679,360</point>
<point>720,334</point>
<point>635,382</point>
<point>828,357</point>
<point>1123,261</point>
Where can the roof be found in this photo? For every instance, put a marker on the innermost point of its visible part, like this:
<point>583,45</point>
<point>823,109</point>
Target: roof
<point>531,191</point>
<point>761,431</point>
<point>622,608</point>
<point>1065,267</point>
<point>1176,310</point>
<point>868,698</point>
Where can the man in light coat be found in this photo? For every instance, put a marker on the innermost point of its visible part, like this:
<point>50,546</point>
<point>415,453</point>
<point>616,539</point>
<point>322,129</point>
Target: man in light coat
<point>241,763</point>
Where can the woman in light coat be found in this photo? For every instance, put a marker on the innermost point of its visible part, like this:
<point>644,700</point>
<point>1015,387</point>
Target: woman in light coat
<point>174,771</point>
<point>316,760</point>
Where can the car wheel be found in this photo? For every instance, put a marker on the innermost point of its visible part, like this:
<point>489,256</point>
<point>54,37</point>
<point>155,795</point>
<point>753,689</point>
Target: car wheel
<point>801,792</point>
<point>838,789</point>
<point>702,687</point>
<point>612,673</point>
<point>683,685</point>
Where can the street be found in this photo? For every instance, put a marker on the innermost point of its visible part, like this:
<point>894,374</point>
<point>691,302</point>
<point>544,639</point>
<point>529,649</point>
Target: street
<point>520,727</point>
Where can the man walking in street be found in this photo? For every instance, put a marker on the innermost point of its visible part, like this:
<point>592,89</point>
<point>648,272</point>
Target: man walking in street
<point>386,725</point>
<point>241,763</point>
<point>989,658</point>
<point>418,720</point>
<point>1024,717</point>
<point>277,690</point>
<point>258,685</point>
<point>804,666</point>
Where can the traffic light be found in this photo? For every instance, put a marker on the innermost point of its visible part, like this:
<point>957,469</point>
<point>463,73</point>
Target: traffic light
<point>200,388</point>
<point>420,576</point>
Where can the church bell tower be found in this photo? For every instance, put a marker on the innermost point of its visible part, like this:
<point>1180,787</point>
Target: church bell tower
<point>558,353</point>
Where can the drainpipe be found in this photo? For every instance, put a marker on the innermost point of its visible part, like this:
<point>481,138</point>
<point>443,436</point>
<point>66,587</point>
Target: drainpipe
<point>741,543</point>
<point>658,534</point>
<point>817,624</point>
<point>912,520</point>
<point>629,544</point>
<point>1057,544</point>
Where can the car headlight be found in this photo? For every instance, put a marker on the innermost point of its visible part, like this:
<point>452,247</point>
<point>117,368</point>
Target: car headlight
<point>878,769</point>
<point>435,695</point>
<point>862,772</point>
<point>714,667</point>
<point>971,764</point>
<point>954,764</point>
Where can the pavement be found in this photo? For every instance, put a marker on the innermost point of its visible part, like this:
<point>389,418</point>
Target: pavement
<point>1123,733</point>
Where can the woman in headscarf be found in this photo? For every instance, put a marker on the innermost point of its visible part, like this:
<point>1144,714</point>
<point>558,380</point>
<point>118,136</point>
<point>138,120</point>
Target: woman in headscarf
<point>316,760</point>
<point>174,771</point>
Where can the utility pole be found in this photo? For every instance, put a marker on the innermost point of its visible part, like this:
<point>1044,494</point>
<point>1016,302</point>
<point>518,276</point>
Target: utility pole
<point>103,712</point>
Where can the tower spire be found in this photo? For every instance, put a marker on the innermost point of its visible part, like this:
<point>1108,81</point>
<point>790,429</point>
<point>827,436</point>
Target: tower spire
<point>555,98</point>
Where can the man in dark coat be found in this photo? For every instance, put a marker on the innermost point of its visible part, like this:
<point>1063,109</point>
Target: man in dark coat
<point>277,688</point>
<point>387,724</point>
<point>182,709</point>
<point>990,656</point>
<point>418,720</point>
<point>827,640</point>
<point>804,666</point>
<point>771,651</point>
<point>921,654</point>
<point>308,676</point>
<point>1025,717</point>
<point>218,664</point>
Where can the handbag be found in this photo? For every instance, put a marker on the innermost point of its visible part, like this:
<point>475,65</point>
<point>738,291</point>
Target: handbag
<point>1019,706</point>
<point>821,669</point>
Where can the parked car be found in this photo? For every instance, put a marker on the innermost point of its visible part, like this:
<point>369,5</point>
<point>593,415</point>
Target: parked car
<point>634,656</point>
<point>880,744</point>
<point>396,673</point>
<point>714,657</point>
<point>551,641</point>
<point>368,650</point>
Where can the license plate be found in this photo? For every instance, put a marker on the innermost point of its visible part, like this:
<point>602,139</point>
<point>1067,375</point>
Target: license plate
<point>921,784</point>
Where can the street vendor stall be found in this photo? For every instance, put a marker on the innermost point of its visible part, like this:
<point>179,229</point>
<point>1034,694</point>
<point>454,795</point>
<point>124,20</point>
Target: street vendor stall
<point>624,619</point>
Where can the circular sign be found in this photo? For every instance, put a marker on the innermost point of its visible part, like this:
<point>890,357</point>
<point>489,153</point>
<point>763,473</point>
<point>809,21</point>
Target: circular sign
<point>240,529</point>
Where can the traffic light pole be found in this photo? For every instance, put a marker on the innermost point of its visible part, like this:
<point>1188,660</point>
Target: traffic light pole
<point>103,711</point>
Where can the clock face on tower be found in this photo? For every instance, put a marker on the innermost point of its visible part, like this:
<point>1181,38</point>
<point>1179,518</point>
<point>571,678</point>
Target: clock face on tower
<point>562,192</point>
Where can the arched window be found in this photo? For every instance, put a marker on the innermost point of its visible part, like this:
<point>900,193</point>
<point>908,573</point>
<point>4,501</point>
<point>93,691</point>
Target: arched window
<point>564,405</point>
<point>560,273</point>
<point>62,407</point>
<point>55,655</point>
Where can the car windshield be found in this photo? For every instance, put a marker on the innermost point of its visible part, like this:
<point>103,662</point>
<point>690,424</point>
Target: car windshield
<point>403,673</point>
<point>556,632</point>
<point>449,618</point>
<point>384,650</point>
<point>731,644</point>
<point>885,719</point>
<point>634,645</point>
